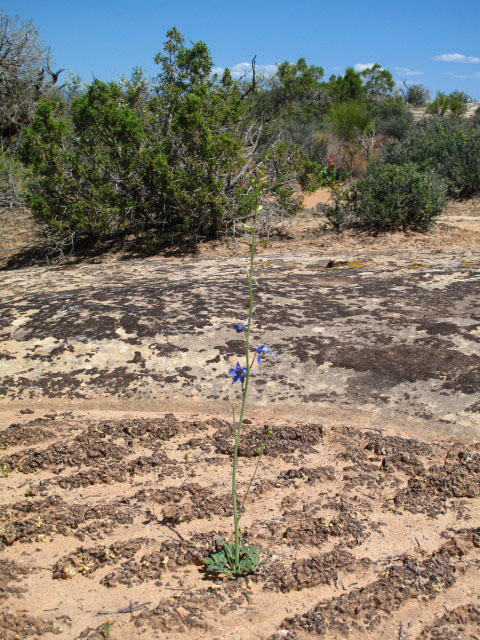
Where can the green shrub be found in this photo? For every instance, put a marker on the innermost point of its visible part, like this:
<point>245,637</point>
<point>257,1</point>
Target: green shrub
<point>455,104</point>
<point>170,156</point>
<point>314,175</point>
<point>349,120</point>
<point>389,198</point>
<point>354,125</point>
<point>304,132</point>
<point>417,95</point>
<point>449,146</point>
<point>439,106</point>
<point>393,119</point>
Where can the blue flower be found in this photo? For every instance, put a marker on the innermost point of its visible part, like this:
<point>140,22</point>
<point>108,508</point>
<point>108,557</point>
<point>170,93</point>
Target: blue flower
<point>240,327</point>
<point>238,373</point>
<point>263,349</point>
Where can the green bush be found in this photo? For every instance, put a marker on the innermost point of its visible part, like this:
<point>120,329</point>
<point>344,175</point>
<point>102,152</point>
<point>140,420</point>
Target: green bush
<point>416,95</point>
<point>389,198</point>
<point>314,175</point>
<point>304,132</point>
<point>449,146</point>
<point>393,119</point>
<point>455,104</point>
<point>170,156</point>
<point>349,120</point>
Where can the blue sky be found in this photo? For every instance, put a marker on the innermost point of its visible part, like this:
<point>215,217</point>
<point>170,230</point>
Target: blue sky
<point>432,42</point>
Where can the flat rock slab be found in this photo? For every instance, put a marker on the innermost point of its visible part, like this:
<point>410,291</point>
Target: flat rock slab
<point>395,333</point>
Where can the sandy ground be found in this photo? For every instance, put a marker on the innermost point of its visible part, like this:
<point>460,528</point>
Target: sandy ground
<point>419,112</point>
<point>115,445</point>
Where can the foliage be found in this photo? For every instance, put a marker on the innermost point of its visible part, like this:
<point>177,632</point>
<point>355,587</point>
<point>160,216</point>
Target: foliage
<point>78,184</point>
<point>305,133</point>
<point>389,198</point>
<point>416,95</point>
<point>378,82</point>
<point>449,146</point>
<point>439,106</point>
<point>353,123</point>
<point>349,120</point>
<point>315,175</point>
<point>455,103</point>
<point>290,104</point>
<point>222,561</point>
<point>297,86</point>
<point>347,87</point>
<point>177,154</point>
<point>393,118</point>
<point>25,74</point>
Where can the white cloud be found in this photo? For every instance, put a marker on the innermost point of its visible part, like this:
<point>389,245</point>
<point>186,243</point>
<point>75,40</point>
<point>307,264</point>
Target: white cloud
<point>405,71</point>
<point>361,67</point>
<point>245,69</point>
<point>464,76</point>
<point>458,75</point>
<point>456,57</point>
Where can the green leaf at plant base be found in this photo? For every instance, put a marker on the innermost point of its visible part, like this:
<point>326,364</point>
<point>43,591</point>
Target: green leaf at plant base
<point>222,561</point>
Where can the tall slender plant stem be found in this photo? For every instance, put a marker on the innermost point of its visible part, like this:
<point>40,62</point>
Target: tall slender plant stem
<point>239,425</point>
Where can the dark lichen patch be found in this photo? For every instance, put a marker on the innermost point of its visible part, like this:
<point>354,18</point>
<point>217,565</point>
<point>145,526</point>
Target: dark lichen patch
<point>104,448</point>
<point>183,372</point>
<point>185,503</point>
<point>105,473</point>
<point>11,574</point>
<point>285,439</point>
<point>152,566</point>
<point>193,610</point>
<point>467,381</point>
<point>86,560</point>
<point>308,475</point>
<point>400,363</point>
<point>438,328</point>
<point>145,431</point>
<point>21,625</point>
<point>459,477</point>
<point>37,520</point>
<point>393,445</point>
<point>18,434</point>
<point>310,572</point>
<point>362,610</point>
<point>454,624</point>
<point>167,349</point>
<point>82,451</point>
<point>316,531</point>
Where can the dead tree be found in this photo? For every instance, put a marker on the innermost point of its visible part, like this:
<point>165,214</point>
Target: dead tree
<point>25,73</point>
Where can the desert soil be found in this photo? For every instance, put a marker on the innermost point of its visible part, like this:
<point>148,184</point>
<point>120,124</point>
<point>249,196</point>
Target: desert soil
<point>115,442</point>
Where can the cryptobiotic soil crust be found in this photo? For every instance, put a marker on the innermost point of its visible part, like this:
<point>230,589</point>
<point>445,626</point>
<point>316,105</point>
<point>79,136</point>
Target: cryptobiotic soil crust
<point>115,443</point>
